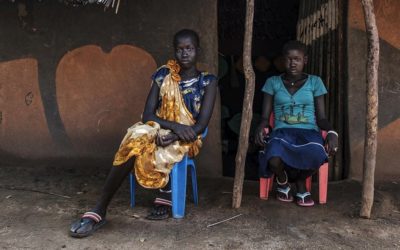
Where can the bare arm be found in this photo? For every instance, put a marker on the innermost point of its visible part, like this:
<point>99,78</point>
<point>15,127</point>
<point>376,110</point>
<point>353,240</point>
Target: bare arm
<point>320,116</point>
<point>207,107</point>
<point>268,102</point>
<point>331,142</point>
<point>182,132</point>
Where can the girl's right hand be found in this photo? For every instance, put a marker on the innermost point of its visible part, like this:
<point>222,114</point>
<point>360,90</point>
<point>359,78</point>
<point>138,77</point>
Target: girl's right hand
<point>261,133</point>
<point>166,140</point>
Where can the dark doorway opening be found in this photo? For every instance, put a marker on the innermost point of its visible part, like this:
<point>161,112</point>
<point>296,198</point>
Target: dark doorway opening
<point>321,25</point>
<point>274,24</point>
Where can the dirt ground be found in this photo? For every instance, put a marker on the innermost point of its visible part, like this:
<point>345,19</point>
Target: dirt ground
<point>31,220</point>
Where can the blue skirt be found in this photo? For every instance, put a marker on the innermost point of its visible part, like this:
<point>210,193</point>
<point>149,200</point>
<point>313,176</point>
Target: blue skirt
<point>301,149</point>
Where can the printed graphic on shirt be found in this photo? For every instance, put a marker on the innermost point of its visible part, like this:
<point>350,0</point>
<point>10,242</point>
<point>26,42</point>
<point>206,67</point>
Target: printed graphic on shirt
<point>293,114</point>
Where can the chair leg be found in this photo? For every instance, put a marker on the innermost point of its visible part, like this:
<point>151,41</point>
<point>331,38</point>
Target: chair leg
<point>308,184</point>
<point>265,187</point>
<point>271,183</point>
<point>179,177</point>
<point>194,181</point>
<point>323,183</point>
<point>132,182</point>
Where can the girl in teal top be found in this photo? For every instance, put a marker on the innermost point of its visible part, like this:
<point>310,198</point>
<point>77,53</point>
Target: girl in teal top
<point>295,110</point>
<point>294,149</point>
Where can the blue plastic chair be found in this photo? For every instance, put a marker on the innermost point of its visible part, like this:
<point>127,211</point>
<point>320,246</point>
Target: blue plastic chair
<point>178,178</point>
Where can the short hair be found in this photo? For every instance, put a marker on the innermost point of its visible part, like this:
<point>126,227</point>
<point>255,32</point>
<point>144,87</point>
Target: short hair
<point>187,33</point>
<point>294,45</point>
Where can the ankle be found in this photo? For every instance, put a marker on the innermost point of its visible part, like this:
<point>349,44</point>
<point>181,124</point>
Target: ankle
<point>284,186</point>
<point>282,179</point>
<point>102,211</point>
<point>301,188</point>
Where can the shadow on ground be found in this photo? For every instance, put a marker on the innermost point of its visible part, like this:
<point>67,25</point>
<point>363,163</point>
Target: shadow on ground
<point>31,220</point>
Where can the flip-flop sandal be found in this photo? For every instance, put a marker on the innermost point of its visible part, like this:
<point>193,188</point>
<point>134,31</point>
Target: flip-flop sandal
<point>159,212</point>
<point>88,217</point>
<point>301,199</point>
<point>283,194</point>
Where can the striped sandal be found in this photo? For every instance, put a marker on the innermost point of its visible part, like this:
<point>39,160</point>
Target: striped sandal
<point>161,210</point>
<point>90,222</point>
<point>303,201</point>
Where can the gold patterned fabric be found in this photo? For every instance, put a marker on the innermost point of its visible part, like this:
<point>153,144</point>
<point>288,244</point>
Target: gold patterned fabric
<point>152,163</point>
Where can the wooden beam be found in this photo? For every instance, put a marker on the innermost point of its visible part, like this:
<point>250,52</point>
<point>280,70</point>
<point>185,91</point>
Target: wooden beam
<point>371,124</point>
<point>247,113</point>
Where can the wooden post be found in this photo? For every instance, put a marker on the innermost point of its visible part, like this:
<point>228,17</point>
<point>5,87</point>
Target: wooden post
<point>371,124</point>
<point>247,113</point>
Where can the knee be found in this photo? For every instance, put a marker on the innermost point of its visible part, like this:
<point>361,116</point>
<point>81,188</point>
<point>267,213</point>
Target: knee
<point>274,163</point>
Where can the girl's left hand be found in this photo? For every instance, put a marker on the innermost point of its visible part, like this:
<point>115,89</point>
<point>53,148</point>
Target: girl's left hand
<point>184,132</point>
<point>166,140</point>
<point>331,144</point>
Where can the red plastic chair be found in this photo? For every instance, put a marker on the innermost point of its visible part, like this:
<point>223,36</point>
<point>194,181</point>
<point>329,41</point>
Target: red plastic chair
<point>266,183</point>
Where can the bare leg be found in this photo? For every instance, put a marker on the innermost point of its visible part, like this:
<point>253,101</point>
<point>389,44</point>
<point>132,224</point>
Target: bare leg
<point>86,226</point>
<point>114,180</point>
<point>276,165</point>
<point>301,179</point>
<point>303,197</point>
<point>162,205</point>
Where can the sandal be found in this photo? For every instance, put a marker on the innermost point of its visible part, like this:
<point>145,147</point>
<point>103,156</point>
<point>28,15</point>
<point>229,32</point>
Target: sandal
<point>90,221</point>
<point>283,190</point>
<point>283,193</point>
<point>304,199</point>
<point>161,210</point>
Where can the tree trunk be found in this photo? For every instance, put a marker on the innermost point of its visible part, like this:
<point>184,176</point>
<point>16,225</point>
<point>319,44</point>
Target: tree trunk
<point>371,124</point>
<point>247,113</point>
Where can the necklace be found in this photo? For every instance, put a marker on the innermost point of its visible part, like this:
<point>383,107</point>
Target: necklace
<point>293,82</point>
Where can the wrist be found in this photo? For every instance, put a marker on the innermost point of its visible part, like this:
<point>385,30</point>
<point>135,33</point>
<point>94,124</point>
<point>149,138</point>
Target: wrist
<point>174,126</point>
<point>324,124</point>
<point>333,132</point>
<point>263,124</point>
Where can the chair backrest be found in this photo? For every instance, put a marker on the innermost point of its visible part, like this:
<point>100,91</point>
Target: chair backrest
<point>204,134</point>
<point>272,120</point>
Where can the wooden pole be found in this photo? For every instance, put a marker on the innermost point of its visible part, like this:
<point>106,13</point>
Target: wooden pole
<point>371,124</point>
<point>247,113</point>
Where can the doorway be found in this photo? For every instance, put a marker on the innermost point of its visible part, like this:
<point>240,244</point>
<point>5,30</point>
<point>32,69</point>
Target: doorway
<point>318,24</point>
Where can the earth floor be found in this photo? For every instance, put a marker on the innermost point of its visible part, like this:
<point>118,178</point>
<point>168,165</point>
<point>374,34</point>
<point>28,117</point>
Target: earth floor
<point>32,220</point>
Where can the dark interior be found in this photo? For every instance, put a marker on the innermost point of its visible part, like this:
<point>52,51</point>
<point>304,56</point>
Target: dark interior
<point>274,24</point>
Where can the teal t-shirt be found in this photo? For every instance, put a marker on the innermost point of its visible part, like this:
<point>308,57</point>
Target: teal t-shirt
<point>297,110</point>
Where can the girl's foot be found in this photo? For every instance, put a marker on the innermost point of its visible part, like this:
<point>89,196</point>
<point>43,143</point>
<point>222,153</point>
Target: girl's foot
<point>86,225</point>
<point>304,199</point>
<point>161,210</point>
<point>283,193</point>
<point>283,189</point>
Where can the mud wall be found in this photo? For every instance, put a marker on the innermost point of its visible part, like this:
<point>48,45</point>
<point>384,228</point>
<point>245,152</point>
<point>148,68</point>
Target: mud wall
<point>388,20</point>
<point>73,79</point>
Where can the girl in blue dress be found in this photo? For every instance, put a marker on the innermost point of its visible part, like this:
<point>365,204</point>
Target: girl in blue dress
<point>294,149</point>
<point>180,103</point>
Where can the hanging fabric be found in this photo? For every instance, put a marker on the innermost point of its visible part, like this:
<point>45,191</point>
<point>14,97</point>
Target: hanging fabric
<point>106,3</point>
